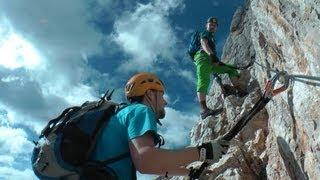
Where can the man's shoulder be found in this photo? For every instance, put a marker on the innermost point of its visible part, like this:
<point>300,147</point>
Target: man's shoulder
<point>204,31</point>
<point>135,108</point>
<point>206,34</point>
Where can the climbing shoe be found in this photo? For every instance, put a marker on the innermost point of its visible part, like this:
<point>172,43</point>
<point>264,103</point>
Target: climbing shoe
<point>241,93</point>
<point>228,90</point>
<point>210,112</point>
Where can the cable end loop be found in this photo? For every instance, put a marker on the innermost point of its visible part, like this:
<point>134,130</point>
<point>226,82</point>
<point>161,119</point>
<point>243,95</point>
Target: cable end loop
<point>283,78</point>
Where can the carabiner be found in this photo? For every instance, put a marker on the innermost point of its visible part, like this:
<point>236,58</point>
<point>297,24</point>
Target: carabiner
<point>269,90</point>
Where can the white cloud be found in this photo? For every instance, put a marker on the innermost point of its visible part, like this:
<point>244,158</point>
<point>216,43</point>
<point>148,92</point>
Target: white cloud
<point>176,127</point>
<point>54,25</point>
<point>10,78</point>
<point>43,69</point>
<point>146,35</point>
<point>15,51</point>
<point>167,5</point>
<point>188,75</point>
<point>7,173</point>
<point>10,117</point>
<point>34,85</point>
<point>14,142</point>
<point>107,10</point>
<point>41,72</point>
<point>7,160</point>
<point>15,151</point>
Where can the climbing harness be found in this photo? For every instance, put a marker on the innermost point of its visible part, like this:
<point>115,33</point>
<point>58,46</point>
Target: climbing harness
<point>269,93</point>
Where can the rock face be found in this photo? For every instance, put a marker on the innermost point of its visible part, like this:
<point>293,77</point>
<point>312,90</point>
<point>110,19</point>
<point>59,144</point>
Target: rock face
<point>282,141</point>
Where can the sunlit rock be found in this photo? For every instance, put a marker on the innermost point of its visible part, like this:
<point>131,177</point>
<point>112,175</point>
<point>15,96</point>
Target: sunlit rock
<point>282,141</point>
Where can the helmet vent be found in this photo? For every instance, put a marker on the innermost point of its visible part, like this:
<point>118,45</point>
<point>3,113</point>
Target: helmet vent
<point>141,82</point>
<point>129,87</point>
<point>145,81</point>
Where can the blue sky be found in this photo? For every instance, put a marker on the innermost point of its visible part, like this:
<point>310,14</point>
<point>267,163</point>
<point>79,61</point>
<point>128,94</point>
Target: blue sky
<point>54,54</point>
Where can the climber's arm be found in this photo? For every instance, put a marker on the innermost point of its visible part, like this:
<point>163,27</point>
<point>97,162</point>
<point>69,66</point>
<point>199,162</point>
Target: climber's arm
<point>205,46</point>
<point>151,160</point>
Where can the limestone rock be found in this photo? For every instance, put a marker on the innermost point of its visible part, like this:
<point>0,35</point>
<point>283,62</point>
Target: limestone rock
<point>282,141</point>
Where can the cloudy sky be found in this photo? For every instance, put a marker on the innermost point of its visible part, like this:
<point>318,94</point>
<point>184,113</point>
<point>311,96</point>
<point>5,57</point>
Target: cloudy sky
<point>54,54</point>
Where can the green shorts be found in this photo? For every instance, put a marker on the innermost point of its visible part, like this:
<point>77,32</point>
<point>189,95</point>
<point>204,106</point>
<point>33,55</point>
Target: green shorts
<point>205,68</point>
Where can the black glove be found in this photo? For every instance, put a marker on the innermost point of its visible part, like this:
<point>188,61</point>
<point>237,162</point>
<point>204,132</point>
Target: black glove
<point>195,173</point>
<point>214,58</point>
<point>213,150</point>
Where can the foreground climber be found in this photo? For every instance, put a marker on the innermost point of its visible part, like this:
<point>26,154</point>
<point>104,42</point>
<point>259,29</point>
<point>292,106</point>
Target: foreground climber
<point>101,139</point>
<point>134,128</point>
<point>208,63</point>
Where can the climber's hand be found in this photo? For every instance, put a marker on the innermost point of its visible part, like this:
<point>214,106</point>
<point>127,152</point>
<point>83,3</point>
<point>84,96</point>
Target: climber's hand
<point>215,60</point>
<point>217,63</point>
<point>213,150</point>
<point>221,63</point>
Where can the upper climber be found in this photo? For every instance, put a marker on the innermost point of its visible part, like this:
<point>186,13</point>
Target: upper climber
<point>207,63</point>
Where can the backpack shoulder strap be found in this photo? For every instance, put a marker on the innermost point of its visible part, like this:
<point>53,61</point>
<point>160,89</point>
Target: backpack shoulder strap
<point>109,109</point>
<point>54,121</point>
<point>123,155</point>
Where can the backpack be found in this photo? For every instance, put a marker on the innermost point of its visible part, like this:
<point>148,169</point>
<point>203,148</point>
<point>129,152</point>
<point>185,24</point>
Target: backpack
<point>66,144</point>
<point>194,45</point>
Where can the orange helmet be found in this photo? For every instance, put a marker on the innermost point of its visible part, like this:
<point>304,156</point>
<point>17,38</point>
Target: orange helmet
<point>141,82</point>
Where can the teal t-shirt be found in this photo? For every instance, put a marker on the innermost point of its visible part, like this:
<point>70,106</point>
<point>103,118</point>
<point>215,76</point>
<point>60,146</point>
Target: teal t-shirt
<point>128,123</point>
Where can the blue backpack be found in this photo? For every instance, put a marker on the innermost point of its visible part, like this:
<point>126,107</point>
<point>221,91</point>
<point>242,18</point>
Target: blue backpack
<point>67,142</point>
<point>194,45</point>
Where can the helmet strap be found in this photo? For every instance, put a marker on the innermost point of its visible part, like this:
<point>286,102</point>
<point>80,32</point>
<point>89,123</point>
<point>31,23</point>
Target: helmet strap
<point>150,103</point>
<point>156,108</point>
<point>153,104</point>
